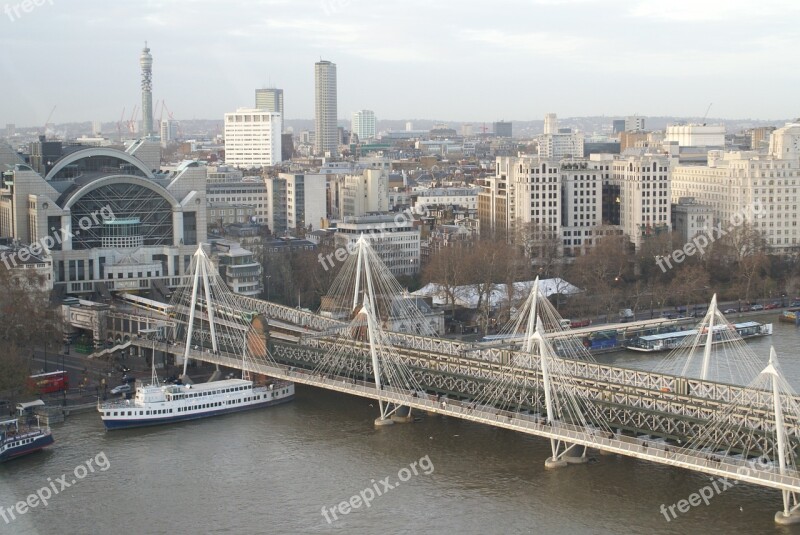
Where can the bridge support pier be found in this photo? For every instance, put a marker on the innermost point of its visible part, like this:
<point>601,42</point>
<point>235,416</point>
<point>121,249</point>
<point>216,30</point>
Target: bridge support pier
<point>784,519</point>
<point>552,464</point>
<point>383,421</point>
<point>791,510</point>
<point>568,456</point>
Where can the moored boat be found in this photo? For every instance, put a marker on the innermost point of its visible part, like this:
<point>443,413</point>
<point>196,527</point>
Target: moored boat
<point>17,440</point>
<point>156,404</point>
<point>669,341</point>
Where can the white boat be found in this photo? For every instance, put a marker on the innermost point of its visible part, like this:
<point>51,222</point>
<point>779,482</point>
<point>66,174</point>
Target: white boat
<point>669,341</point>
<point>163,404</point>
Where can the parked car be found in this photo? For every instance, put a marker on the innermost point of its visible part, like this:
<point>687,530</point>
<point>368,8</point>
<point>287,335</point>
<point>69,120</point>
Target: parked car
<point>121,389</point>
<point>626,315</point>
<point>770,306</point>
<point>730,311</point>
<point>757,307</point>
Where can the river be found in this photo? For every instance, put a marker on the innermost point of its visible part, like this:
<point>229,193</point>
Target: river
<point>274,470</point>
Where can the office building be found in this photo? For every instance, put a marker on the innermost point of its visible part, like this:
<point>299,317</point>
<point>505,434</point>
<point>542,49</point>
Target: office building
<point>363,125</point>
<point>393,237</point>
<point>502,129</point>
<point>645,195</point>
<point>326,131</point>
<point>561,145</point>
<point>270,99</point>
<point>305,200</point>
<point>760,188</point>
<point>550,124</point>
<point>696,135</point>
<point>690,218</point>
<point>169,132</point>
<point>634,123</point>
<point>252,138</point>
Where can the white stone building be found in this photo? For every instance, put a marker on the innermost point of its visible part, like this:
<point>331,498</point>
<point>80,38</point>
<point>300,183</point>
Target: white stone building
<point>561,145</point>
<point>696,135</point>
<point>645,194</point>
<point>363,125</point>
<point>762,188</point>
<point>252,138</point>
<point>463,197</point>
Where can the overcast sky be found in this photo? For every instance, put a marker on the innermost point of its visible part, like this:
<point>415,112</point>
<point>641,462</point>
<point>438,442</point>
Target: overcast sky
<point>454,60</point>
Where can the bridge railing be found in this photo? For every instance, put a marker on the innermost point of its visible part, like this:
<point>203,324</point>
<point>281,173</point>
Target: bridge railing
<point>741,469</point>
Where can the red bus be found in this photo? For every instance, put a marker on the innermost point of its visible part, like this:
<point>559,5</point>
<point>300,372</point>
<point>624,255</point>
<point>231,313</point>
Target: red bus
<point>49,382</point>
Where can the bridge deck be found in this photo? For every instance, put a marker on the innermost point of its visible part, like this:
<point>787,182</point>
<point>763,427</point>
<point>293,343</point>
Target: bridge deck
<point>524,423</point>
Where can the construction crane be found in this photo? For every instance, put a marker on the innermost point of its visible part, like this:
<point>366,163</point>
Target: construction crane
<point>132,120</point>
<point>171,118</point>
<point>706,113</point>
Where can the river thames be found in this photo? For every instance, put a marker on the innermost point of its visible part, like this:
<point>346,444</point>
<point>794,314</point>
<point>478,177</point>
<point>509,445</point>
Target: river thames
<point>274,470</point>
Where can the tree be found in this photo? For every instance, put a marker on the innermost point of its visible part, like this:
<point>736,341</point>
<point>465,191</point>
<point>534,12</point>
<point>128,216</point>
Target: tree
<point>602,272</point>
<point>27,319</point>
<point>447,269</point>
<point>542,245</point>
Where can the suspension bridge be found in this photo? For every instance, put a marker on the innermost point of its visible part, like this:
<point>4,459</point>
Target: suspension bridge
<point>712,405</point>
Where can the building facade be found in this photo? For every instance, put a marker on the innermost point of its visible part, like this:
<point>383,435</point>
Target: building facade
<point>696,135</point>
<point>645,195</point>
<point>502,129</point>
<point>690,218</point>
<point>363,125</point>
<point>326,131</point>
<point>393,238</point>
<point>561,145</point>
<point>270,99</point>
<point>252,138</point>
<point>305,200</point>
<point>238,268</point>
<point>761,188</point>
<point>108,222</point>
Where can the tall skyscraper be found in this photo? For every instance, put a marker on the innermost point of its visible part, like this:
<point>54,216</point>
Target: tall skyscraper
<point>551,123</point>
<point>146,63</point>
<point>270,99</point>
<point>364,124</point>
<point>326,133</point>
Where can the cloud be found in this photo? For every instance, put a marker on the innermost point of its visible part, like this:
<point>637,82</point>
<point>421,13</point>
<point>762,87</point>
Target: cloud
<point>712,10</point>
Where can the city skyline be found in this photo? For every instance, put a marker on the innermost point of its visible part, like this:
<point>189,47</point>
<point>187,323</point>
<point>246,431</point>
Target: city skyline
<point>615,58</point>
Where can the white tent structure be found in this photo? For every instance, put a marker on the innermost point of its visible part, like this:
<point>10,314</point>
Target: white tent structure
<point>467,296</point>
